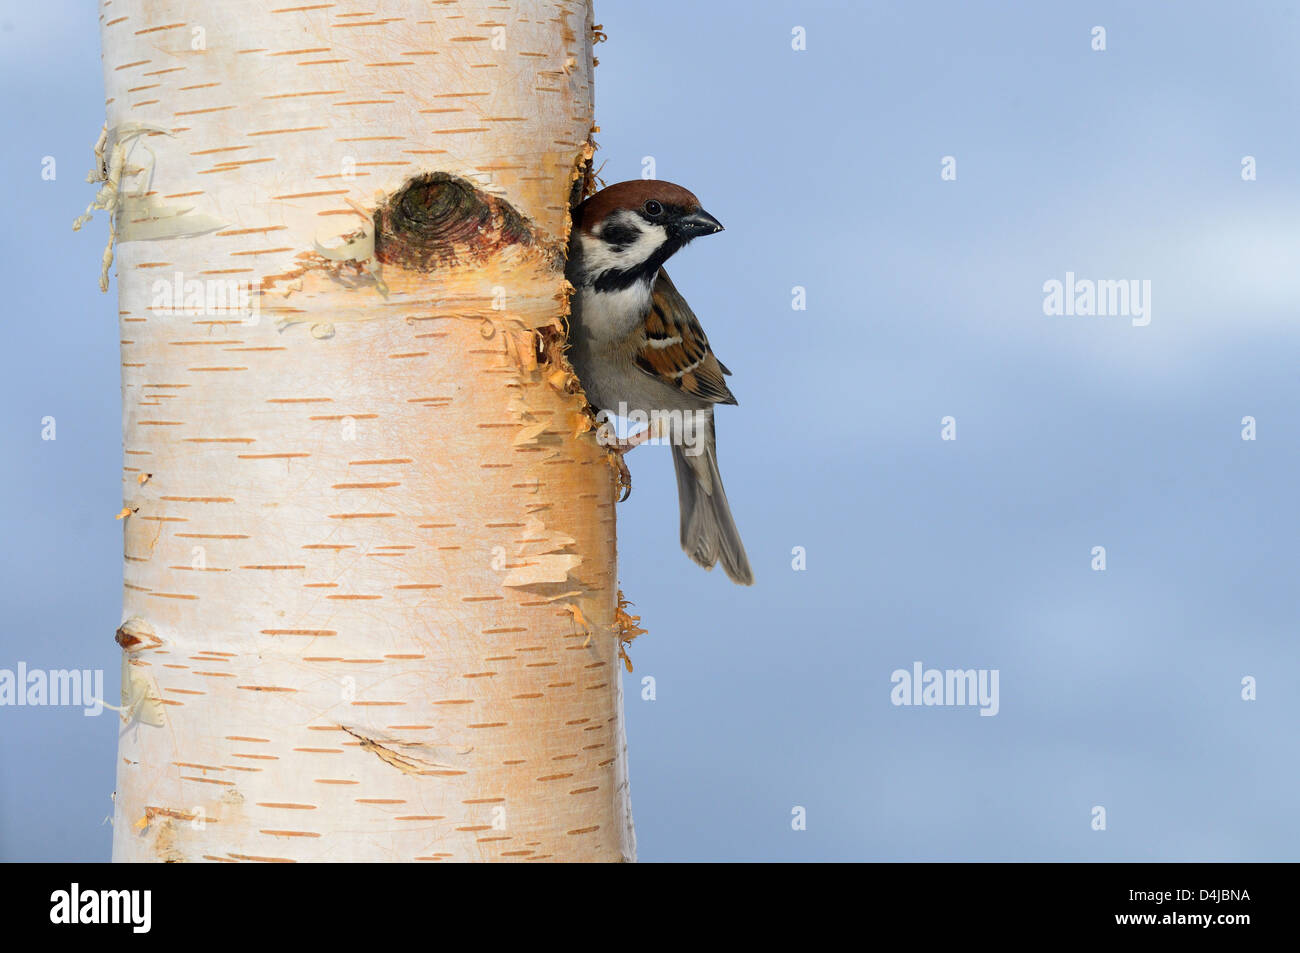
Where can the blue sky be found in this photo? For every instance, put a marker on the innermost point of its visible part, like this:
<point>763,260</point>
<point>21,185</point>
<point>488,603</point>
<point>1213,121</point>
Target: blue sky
<point>1119,688</point>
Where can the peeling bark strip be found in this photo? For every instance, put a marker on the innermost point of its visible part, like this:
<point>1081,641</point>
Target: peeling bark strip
<point>369,549</point>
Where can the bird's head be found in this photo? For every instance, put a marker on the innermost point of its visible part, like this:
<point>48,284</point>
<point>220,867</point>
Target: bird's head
<point>625,232</point>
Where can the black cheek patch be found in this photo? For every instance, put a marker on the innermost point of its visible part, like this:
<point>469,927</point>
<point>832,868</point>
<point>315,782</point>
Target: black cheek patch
<point>619,236</point>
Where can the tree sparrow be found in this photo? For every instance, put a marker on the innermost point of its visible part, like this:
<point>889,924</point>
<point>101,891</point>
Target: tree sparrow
<point>640,352</point>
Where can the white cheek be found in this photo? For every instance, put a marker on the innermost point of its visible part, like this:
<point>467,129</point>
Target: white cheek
<point>601,257</point>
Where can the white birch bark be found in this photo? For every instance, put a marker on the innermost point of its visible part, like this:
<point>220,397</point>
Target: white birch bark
<point>369,565</point>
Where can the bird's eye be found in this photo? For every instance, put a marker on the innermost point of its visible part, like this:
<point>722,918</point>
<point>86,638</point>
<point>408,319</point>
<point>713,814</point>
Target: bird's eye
<point>653,209</point>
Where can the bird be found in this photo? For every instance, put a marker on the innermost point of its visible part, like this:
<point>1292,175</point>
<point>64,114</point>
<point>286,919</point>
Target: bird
<point>639,350</point>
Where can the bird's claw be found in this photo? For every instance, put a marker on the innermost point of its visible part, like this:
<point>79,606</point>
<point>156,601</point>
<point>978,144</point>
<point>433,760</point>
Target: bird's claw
<point>624,476</point>
<point>619,448</point>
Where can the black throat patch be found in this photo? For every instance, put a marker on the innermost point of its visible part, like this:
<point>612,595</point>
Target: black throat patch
<point>614,279</point>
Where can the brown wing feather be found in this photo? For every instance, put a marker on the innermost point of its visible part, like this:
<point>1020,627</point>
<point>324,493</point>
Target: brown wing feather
<point>675,350</point>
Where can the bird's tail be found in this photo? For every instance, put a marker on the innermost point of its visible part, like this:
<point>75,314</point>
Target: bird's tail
<point>709,532</point>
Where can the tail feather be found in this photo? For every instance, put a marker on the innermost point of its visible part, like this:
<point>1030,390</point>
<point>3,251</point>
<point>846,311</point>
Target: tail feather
<point>708,530</point>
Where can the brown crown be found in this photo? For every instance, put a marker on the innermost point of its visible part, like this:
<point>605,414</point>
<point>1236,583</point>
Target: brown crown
<point>629,195</point>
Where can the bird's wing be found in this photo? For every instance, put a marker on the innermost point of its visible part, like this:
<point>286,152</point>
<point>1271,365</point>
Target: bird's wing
<point>673,348</point>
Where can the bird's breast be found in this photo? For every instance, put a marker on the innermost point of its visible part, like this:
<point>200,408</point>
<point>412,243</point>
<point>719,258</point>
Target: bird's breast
<point>611,316</point>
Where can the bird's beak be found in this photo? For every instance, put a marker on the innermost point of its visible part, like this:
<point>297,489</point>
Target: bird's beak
<point>697,223</point>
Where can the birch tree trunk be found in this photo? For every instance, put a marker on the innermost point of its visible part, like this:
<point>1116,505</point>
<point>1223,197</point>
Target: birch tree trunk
<point>370,595</point>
